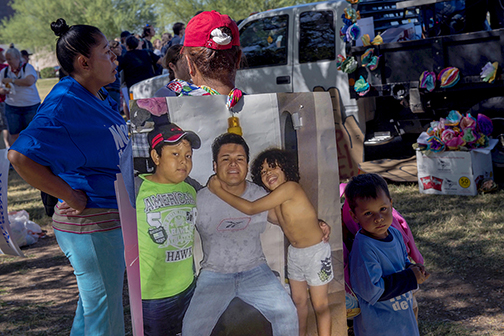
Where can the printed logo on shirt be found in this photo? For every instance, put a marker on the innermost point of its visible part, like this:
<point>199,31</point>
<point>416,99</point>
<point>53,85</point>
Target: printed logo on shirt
<point>326,270</point>
<point>402,302</point>
<point>173,229</point>
<point>157,201</point>
<point>120,135</point>
<point>234,224</point>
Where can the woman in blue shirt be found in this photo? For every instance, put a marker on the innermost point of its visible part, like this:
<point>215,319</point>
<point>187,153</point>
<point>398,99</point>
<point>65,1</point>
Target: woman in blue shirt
<point>71,150</point>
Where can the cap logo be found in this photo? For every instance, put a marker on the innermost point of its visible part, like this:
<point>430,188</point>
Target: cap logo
<point>159,138</point>
<point>220,38</point>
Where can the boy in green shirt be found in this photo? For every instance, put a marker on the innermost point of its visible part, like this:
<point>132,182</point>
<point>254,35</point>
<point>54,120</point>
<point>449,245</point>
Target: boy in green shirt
<point>166,211</point>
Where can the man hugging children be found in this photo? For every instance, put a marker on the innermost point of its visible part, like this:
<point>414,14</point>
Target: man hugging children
<point>381,274</point>
<point>166,207</point>
<point>309,257</point>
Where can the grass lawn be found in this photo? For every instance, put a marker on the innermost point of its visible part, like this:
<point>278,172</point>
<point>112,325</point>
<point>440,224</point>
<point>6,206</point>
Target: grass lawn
<point>461,239</point>
<point>44,86</point>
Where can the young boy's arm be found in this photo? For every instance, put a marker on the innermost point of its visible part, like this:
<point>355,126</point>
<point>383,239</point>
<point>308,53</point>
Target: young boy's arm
<point>398,283</point>
<point>270,201</point>
<point>404,281</point>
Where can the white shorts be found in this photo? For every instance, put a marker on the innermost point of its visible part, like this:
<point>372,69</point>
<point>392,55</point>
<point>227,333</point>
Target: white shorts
<point>311,264</point>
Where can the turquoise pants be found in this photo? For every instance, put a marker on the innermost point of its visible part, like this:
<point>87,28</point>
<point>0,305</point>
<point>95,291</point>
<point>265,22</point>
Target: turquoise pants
<point>98,262</point>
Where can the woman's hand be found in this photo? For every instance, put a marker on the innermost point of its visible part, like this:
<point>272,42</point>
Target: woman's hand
<point>74,206</point>
<point>42,178</point>
<point>6,80</point>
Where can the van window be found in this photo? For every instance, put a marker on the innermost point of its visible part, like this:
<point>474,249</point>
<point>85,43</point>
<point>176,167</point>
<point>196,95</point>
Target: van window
<point>264,41</point>
<point>316,36</point>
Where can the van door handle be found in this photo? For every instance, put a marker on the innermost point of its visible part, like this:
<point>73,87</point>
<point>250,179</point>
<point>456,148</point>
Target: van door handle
<point>283,80</point>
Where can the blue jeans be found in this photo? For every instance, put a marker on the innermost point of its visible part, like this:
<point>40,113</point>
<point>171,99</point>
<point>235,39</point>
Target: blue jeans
<point>18,117</point>
<point>163,317</point>
<point>98,262</point>
<point>3,119</point>
<point>258,287</point>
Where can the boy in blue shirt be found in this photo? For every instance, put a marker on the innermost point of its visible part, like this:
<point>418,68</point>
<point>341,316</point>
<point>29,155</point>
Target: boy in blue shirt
<point>381,274</point>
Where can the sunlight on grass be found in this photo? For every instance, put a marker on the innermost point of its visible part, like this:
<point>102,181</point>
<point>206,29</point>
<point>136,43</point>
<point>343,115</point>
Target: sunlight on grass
<point>454,232</point>
<point>44,86</point>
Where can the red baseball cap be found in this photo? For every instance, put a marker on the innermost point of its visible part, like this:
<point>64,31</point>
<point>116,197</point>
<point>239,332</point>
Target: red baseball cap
<point>171,133</point>
<point>200,31</point>
<point>1,49</point>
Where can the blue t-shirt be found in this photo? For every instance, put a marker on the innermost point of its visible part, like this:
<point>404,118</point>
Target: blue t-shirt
<point>80,138</point>
<point>370,261</point>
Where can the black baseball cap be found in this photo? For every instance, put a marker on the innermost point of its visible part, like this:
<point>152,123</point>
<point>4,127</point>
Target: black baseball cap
<point>25,53</point>
<point>171,133</point>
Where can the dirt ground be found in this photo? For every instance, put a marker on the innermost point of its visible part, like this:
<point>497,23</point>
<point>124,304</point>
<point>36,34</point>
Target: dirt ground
<point>38,296</point>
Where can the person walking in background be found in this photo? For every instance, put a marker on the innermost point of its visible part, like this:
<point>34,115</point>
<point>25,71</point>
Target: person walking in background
<point>178,32</point>
<point>71,150</point>
<point>165,39</point>
<point>22,99</point>
<point>124,36</point>
<point>137,64</point>
<point>3,120</point>
<point>114,88</point>
<point>157,47</point>
<point>26,56</point>
<point>147,35</point>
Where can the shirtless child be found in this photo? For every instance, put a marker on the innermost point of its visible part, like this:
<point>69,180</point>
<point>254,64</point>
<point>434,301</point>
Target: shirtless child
<point>309,258</point>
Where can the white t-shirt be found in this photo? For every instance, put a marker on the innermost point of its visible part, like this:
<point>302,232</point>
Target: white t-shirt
<point>24,95</point>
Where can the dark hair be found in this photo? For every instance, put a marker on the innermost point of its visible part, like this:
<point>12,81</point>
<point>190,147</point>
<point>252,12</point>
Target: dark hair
<point>172,55</point>
<point>73,41</point>
<point>228,138</point>
<point>364,186</point>
<point>132,42</point>
<point>275,157</point>
<point>177,27</point>
<point>146,31</point>
<point>215,64</point>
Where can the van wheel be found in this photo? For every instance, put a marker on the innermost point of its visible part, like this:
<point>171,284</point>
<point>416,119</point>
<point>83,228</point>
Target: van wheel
<point>494,109</point>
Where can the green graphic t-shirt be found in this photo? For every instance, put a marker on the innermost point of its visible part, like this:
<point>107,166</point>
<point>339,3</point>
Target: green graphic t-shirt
<point>166,214</point>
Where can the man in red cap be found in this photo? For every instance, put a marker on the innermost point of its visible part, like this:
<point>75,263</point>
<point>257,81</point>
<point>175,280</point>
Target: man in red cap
<point>3,120</point>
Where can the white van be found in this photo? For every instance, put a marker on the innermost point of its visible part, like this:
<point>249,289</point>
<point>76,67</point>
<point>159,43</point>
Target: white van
<point>294,49</point>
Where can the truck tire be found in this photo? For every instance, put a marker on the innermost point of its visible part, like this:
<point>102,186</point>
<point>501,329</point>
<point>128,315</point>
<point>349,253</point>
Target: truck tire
<point>494,109</point>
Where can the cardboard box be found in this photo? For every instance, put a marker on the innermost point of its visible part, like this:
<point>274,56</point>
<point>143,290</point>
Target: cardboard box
<point>454,172</point>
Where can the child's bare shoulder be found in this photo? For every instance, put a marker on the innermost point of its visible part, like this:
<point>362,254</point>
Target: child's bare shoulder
<point>290,186</point>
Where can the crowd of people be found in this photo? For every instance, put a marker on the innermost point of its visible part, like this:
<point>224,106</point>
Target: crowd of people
<point>72,149</point>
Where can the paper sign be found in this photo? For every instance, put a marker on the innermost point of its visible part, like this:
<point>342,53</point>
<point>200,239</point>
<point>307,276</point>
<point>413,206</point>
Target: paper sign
<point>7,245</point>
<point>302,122</point>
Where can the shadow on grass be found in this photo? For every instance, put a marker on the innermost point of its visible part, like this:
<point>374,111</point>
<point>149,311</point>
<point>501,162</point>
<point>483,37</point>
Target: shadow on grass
<point>462,240</point>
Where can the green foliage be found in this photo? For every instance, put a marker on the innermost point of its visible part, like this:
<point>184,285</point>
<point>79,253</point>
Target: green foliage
<point>31,24</point>
<point>48,72</point>
<point>172,11</point>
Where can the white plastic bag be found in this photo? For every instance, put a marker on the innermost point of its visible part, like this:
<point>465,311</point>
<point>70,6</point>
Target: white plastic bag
<point>24,231</point>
